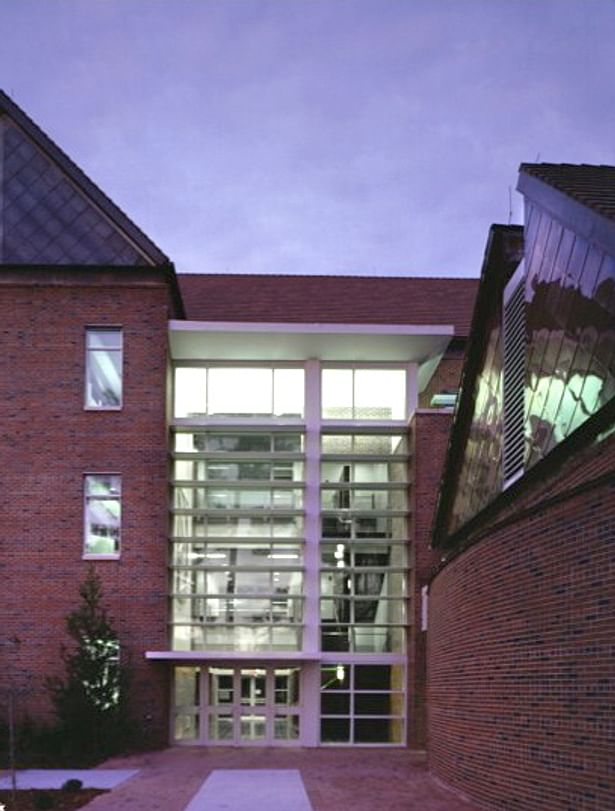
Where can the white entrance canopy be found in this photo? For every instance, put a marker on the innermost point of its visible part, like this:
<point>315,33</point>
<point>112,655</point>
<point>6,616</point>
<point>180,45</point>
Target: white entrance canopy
<point>346,343</point>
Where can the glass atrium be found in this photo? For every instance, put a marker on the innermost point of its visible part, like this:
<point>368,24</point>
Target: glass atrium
<point>289,552</point>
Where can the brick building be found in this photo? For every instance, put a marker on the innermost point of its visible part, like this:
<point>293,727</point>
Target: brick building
<point>249,462</point>
<point>252,464</point>
<point>521,670</point>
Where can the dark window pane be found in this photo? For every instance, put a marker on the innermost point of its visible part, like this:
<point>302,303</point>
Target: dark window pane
<point>335,704</point>
<point>372,677</point>
<point>372,730</point>
<point>372,704</point>
<point>335,730</point>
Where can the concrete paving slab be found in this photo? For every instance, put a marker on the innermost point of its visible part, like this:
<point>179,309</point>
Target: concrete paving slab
<point>55,778</point>
<point>248,789</point>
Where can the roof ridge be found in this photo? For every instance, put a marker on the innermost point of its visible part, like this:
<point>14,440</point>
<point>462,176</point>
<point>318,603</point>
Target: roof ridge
<point>328,276</point>
<point>567,165</point>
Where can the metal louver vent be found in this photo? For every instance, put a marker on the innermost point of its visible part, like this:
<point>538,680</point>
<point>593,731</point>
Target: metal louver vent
<point>514,378</point>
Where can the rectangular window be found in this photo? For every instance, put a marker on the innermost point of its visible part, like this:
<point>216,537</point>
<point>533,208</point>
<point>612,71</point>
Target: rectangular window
<point>103,512</point>
<point>364,444</point>
<point>232,391</point>
<point>187,703</point>
<point>103,384</point>
<point>362,704</point>
<point>364,394</point>
<point>207,442</point>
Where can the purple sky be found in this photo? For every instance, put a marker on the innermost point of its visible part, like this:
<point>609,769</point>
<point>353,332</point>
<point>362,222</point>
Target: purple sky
<point>316,136</point>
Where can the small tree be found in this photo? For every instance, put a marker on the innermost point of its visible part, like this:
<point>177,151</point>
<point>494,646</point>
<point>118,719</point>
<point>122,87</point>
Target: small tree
<point>90,701</point>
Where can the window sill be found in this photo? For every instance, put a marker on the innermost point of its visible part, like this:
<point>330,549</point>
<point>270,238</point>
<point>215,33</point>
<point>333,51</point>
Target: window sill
<point>94,556</point>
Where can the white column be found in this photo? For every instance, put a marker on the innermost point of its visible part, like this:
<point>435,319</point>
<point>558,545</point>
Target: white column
<point>311,633</point>
<point>412,389</point>
<point>311,640</point>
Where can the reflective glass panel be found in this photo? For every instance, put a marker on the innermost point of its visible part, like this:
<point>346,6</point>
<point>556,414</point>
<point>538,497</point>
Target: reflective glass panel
<point>102,514</point>
<point>335,677</point>
<point>252,727</point>
<point>286,727</point>
<point>245,443</point>
<point>286,686</point>
<point>238,470</point>
<point>363,444</point>
<point>186,727</point>
<point>288,443</point>
<point>253,686</point>
<point>187,681</point>
<point>220,727</point>
<point>103,387</point>
<point>221,686</point>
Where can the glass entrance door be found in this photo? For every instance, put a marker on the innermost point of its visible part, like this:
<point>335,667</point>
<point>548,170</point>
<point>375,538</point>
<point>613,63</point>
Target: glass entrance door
<point>251,706</point>
<point>253,710</point>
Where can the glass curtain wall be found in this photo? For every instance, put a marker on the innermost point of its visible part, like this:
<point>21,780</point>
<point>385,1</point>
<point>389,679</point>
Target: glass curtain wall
<point>363,556</point>
<point>237,540</point>
<point>284,520</point>
<point>363,546</point>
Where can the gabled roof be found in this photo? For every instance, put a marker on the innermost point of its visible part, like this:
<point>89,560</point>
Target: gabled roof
<point>51,212</point>
<point>593,186</point>
<point>329,299</point>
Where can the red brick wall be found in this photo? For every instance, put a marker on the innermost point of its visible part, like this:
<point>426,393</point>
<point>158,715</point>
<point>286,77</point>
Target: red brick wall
<point>520,658</point>
<point>48,441</point>
<point>429,433</point>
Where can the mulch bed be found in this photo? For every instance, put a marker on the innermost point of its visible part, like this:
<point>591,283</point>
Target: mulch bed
<point>58,800</point>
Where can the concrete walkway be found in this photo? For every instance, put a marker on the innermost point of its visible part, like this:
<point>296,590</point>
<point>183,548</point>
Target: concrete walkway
<point>335,779</point>
<point>250,789</point>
